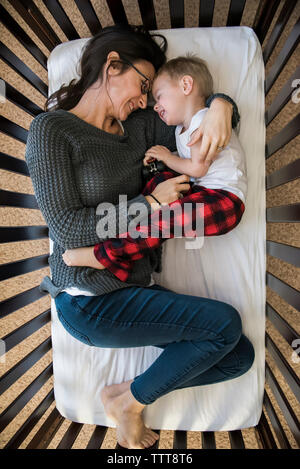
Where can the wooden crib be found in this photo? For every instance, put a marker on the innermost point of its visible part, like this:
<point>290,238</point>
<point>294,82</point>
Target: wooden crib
<point>29,31</point>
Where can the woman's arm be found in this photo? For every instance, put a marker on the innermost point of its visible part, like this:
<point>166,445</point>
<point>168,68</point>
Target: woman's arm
<point>70,223</point>
<point>214,131</point>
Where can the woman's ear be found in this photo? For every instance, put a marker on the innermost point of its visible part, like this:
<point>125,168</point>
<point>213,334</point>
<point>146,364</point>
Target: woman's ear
<point>113,69</point>
<point>186,83</point>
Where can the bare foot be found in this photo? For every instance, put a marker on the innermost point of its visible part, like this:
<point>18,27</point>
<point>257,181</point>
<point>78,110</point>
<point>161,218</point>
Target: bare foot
<point>121,407</point>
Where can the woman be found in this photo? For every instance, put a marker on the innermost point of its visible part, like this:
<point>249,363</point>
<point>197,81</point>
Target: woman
<point>80,155</point>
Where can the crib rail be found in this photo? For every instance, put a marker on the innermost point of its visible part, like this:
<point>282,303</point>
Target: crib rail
<point>29,32</point>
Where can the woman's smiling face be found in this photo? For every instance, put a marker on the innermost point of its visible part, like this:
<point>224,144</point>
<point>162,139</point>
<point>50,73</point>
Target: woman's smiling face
<point>126,89</point>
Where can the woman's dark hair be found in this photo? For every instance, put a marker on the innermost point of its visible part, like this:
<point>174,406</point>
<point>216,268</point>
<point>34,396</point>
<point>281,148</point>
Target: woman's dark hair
<point>133,43</point>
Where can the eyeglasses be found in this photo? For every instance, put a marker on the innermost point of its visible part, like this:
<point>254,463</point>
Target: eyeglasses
<point>146,84</point>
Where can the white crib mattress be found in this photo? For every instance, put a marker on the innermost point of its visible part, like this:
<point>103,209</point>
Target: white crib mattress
<point>229,268</point>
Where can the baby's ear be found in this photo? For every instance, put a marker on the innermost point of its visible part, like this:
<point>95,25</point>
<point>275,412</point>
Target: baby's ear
<point>187,83</point>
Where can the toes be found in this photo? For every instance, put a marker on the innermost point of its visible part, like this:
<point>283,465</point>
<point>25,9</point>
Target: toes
<point>147,442</point>
<point>134,445</point>
<point>139,446</point>
<point>150,439</point>
<point>152,434</point>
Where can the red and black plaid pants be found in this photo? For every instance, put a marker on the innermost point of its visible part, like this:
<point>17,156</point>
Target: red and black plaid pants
<point>219,211</point>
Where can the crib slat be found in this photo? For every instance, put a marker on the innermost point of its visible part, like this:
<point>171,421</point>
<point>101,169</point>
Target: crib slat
<point>148,14</point>
<point>12,375</point>
<point>287,253</point>
<point>12,269</point>
<point>177,13</point>
<point>47,431</point>
<point>284,405</point>
<point>19,301</point>
<point>288,372</point>
<point>284,213</point>
<point>97,437</point>
<point>62,19</point>
<point>265,433</point>
<point>283,18</point>
<point>39,25</point>
<point>70,436</point>
<point>290,131</point>
<point>235,13</point>
<point>276,423</point>
<point>117,11</point>
<point>17,199</point>
<point>21,233</point>
<point>236,439</point>
<point>13,130</point>
<point>283,97</point>
<point>208,440</point>
<point>19,403</point>
<point>32,420</point>
<point>22,332</point>
<point>281,324</point>
<point>284,55</point>
<point>288,173</point>
<point>86,9</point>
<point>263,18</point>
<point>15,165</point>
<point>180,439</point>
<point>24,39</point>
<point>206,13</point>
<point>288,293</point>
<point>14,62</point>
<point>21,101</point>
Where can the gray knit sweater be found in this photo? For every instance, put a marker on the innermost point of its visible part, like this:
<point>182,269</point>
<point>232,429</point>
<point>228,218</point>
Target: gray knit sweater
<point>74,166</point>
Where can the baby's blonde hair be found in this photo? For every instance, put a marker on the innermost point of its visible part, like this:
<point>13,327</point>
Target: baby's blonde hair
<point>193,66</point>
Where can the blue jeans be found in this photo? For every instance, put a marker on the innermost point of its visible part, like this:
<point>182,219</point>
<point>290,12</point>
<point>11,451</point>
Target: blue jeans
<point>202,338</point>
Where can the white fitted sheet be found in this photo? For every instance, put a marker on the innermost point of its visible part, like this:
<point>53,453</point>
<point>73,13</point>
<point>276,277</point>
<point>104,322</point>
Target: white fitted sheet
<point>229,268</point>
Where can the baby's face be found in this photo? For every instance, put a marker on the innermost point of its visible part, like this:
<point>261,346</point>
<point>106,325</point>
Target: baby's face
<point>169,100</point>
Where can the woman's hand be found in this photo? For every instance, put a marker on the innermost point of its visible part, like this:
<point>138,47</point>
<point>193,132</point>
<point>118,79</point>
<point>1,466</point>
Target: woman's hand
<point>214,132</point>
<point>171,189</point>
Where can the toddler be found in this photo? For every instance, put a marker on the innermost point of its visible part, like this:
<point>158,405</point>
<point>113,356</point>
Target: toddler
<point>180,90</point>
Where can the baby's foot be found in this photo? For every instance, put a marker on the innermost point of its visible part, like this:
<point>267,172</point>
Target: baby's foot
<point>82,257</point>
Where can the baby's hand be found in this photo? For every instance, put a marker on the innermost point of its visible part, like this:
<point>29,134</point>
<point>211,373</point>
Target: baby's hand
<point>148,159</point>
<point>81,257</point>
<point>70,257</point>
<point>159,153</point>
